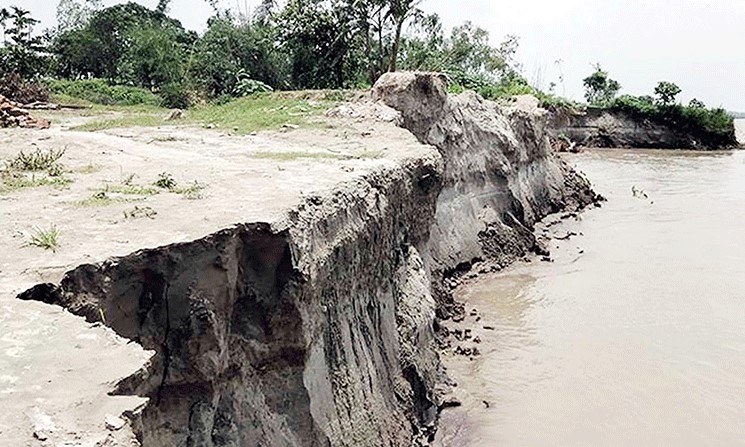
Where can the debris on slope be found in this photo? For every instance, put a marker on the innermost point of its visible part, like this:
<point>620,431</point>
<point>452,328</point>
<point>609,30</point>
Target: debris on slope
<point>12,114</point>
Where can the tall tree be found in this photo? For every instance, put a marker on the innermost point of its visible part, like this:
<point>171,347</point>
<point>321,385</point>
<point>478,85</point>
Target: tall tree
<point>316,35</point>
<point>21,52</point>
<point>600,89</point>
<point>73,14</point>
<point>367,26</point>
<point>98,49</point>
<point>400,11</point>
<point>231,48</point>
<point>667,92</point>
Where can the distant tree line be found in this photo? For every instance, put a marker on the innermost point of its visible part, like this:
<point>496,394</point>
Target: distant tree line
<point>130,54</point>
<point>713,123</point>
<point>304,44</point>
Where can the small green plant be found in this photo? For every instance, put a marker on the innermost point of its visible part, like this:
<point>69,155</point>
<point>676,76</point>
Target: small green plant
<point>165,181</point>
<point>140,213</point>
<point>129,180</point>
<point>90,168</point>
<point>245,86</point>
<point>38,160</point>
<point>100,198</point>
<point>47,239</point>
<point>55,170</point>
<point>131,190</point>
<point>191,192</point>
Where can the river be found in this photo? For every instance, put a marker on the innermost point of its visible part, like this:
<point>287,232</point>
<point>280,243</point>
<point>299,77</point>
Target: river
<point>635,334</point>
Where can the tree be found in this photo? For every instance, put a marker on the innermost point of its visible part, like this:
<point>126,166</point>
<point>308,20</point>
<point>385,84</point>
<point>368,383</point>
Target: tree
<point>369,46</point>
<point>666,93</point>
<point>21,52</point>
<point>466,56</point>
<point>696,104</point>
<point>265,11</point>
<point>400,11</point>
<point>600,89</point>
<point>75,14</point>
<point>316,34</point>
<point>230,48</point>
<point>153,58</point>
<point>98,49</point>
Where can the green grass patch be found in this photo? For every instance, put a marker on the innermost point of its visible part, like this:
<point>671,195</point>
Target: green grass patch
<point>38,160</point>
<point>99,199</point>
<point>48,239</point>
<point>258,112</point>
<point>111,193</point>
<point>297,155</point>
<point>98,91</point>
<point>191,192</point>
<point>243,115</point>
<point>13,180</point>
<point>131,119</point>
<point>131,190</point>
<point>167,182</point>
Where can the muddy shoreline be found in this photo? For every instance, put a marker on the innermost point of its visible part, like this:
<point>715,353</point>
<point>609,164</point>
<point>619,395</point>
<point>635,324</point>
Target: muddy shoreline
<point>622,337</point>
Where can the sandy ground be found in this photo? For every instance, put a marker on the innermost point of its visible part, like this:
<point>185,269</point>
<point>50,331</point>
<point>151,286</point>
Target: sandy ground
<point>55,369</point>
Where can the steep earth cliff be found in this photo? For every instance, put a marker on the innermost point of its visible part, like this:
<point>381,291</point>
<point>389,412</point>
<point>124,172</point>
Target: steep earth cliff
<point>606,129</point>
<point>319,329</point>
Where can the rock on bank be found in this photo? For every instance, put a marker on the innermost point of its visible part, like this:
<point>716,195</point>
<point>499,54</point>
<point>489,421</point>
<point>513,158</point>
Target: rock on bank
<point>318,328</point>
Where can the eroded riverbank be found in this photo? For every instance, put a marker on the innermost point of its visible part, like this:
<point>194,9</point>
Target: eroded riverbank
<point>306,318</point>
<point>633,336</point>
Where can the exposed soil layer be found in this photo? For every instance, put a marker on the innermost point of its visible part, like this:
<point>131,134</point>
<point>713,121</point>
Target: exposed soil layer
<point>315,324</point>
<point>605,129</point>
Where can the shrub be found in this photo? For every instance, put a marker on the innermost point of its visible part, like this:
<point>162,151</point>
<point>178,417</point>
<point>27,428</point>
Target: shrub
<point>245,86</point>
<point>99,91</point>
<point>38,160</point>
<point>175,96</point>
<point>15,88</point>
<point>165,181</point>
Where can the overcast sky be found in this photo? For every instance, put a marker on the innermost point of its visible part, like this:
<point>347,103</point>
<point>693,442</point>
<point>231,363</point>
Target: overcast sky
<point>699,44</point>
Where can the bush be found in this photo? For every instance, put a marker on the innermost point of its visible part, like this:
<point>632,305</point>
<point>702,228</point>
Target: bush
<point>175,96</point>
<point>489,88</point>
<point>17,89</point>
<point>99,91</point>
<point>639,106</point>
<point>247,86</point>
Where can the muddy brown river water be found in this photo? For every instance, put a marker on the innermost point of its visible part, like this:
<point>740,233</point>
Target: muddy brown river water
<point>635,335</point>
